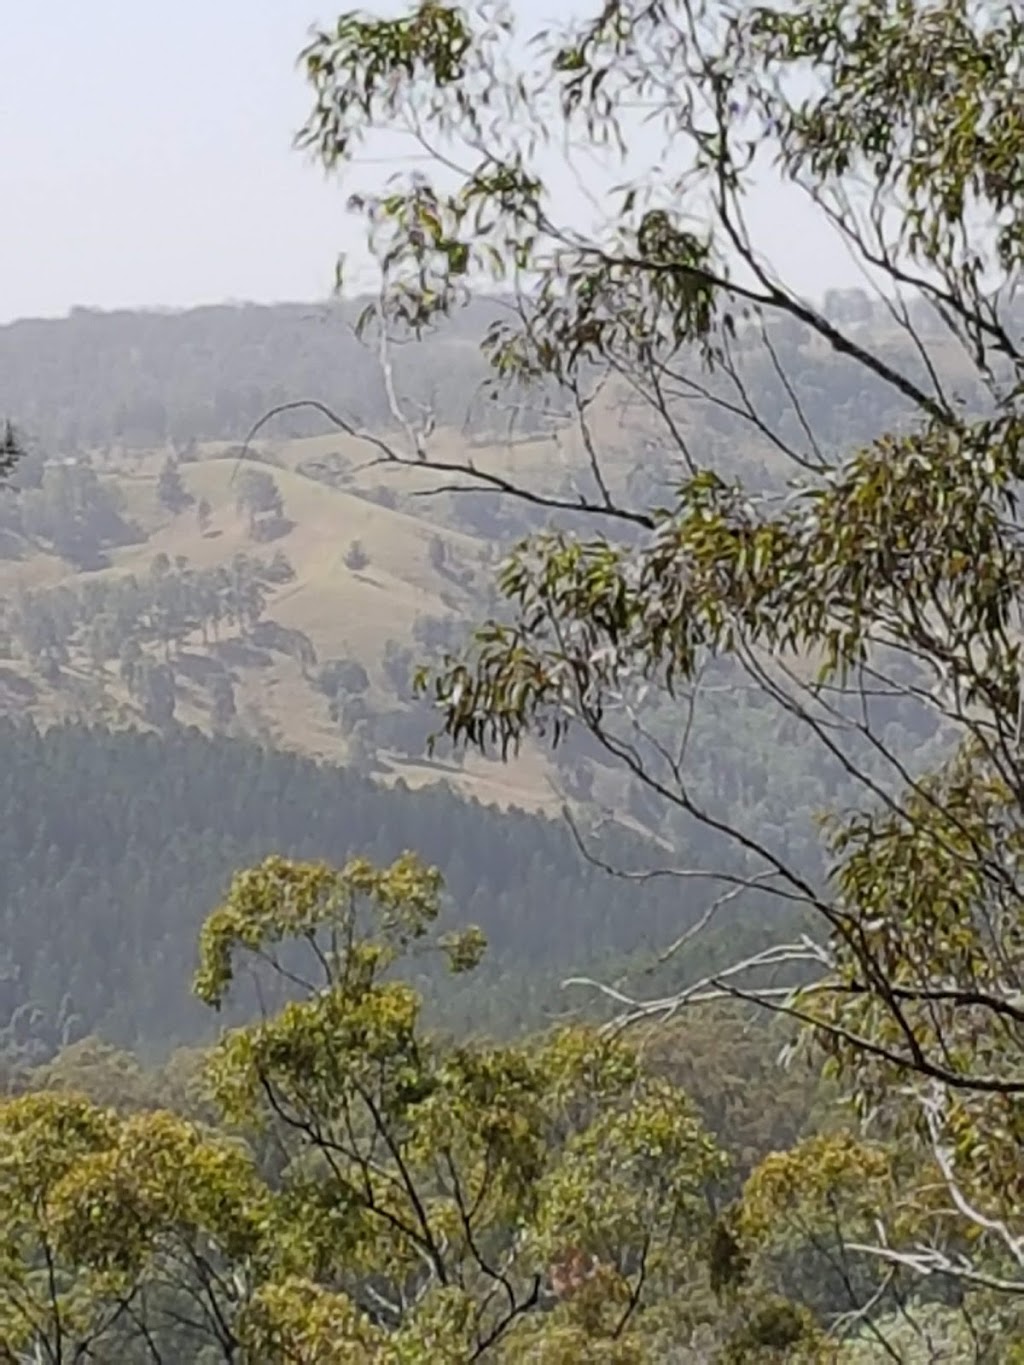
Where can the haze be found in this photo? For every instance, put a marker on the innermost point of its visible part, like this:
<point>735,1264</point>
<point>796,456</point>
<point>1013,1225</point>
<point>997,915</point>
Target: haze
<point>147,159</point>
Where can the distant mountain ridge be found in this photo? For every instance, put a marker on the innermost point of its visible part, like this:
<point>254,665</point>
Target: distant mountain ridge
<point>148,378</point>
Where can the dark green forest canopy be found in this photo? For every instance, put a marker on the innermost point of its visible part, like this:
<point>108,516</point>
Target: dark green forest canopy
<point>115,846</point>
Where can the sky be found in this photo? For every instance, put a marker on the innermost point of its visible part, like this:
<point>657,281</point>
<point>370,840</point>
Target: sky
<point>146,159</point>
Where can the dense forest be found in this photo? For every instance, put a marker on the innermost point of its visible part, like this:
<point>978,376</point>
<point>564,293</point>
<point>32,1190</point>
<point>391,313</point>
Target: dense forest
<point>116,847</point>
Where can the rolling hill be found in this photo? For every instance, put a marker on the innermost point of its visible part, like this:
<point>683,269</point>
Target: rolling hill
<point>108,396</point>
<point>346,614</point>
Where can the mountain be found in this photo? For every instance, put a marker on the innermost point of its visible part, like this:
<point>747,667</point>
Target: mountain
<point>411,572</point>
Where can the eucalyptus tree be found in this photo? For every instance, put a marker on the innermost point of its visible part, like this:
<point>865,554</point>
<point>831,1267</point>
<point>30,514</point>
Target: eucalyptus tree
<point>863,573</point>
<point>376,1193</point>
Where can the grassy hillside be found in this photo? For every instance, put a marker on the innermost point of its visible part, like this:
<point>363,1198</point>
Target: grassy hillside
<point>126,388</point>
<point>347,614</point>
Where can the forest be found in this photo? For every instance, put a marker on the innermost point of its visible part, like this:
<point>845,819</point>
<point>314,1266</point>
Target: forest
<point>116,845</point>
<point>511,790</point>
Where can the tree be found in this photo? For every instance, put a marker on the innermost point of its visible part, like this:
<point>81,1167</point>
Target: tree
<point>386,1196</point>
<point>101,641</point>
<point>258,496</point>
<point>155,688</point>
<point>343,675</point>
<point>439,1155</point>
<point>280,568</point>
<point>356,557</point>
<point>10,448</point>
<point>119,819</point>
<point>130,661</point>
<point>223,708</point>
<point>109,1220</point>
<point>858,575</point>
<point>170,488</point>
<point>245,595</point>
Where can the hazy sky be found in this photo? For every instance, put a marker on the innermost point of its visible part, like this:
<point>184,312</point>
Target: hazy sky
<point>146,158</point>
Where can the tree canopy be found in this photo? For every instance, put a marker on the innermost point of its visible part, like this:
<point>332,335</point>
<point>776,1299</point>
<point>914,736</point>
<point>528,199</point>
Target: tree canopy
<point>372,1193</point>
<point>889,568</point>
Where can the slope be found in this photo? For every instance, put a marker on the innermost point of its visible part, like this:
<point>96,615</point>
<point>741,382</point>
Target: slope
<point>347,614</point>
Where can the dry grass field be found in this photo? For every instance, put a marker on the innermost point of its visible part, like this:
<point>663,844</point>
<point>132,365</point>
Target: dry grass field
<point>345,614</point>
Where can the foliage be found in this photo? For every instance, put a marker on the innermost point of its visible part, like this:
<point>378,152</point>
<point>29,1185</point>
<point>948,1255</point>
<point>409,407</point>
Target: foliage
<point>165,607</point>
<point>876,590</point>
<point>258,496</point>
<point>356,557</point>
<point>426,1200</point>
<point>934,1335</point>
<point>120,382</point>
<point>63,507</point>
<point>10,447</point>
<point>890,566</point>
<point>113,845</point>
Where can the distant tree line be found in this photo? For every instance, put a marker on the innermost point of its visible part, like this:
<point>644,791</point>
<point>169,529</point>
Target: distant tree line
<point>144,379</point>
<point>62,506</point>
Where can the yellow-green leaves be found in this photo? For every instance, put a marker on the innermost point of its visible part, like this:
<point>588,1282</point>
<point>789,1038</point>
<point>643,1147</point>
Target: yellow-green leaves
<point>316,1054</point>
<point>403,1201</point>
<point>360,65</point>
<point>834,1184</point>
<point>632,1181</point>
<point>449,1178</point>
<point>464,949</point>
<point>45,1295</point>
<point>354,919</point>
<point>162,1185</point>
<point>888,573</point>
<point>846,565</point>
<point>42,1136</point>
<point>102,1215</point>
<point>928,107</point>
<point>296,1322</point>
